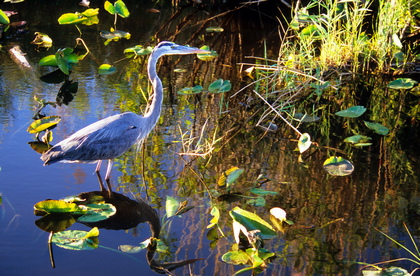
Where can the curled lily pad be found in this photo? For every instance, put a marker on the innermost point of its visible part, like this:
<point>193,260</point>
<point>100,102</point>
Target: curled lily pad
<point>39,147</point>
<point>4,19</point>
<point>42,124</point>
<point>48,61</point>
<point>252,221</point>
<point>304,142</point>
<point>216,216</point>
<point>229,177</point>
<point>338,166</point>
<point>57,206</point>
<point>42,40</point>
<point>352,112</point>
<point>378,128</point>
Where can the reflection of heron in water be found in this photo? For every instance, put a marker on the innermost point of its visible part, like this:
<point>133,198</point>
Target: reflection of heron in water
<point>111,137</point>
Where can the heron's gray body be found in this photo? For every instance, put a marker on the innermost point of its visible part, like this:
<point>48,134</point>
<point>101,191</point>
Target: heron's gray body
<point>112,136</point>
<point>95,142</point>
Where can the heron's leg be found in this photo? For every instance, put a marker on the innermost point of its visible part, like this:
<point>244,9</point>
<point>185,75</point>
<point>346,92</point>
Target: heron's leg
<point>108,176</point>
<point>98,174</point>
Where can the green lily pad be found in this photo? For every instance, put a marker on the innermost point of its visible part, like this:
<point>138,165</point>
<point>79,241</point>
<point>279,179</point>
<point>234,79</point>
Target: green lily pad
<point>106,69</point>
<point>304,142</point>
<point>378,128</point>
<point>121,9</point>
<point>402,83</point>
<point>42,124</point>
<point>237,257</point>
<point>97,212</point>
<point>355,139</point>
<point>252,221</point>
<point>131,249</point>
<point>304,118</point>
<point>137,50</point>
<point>338,166</point>
<point>114,35</point>
<point>77,239</point>
<point>91,17</point>
<point>259,191</point>
<point>209,56</point>
<point>220,86</point>
<point>71,18</point>
<point>118,7</point>
<point>190,90</point>
<point>214,29</point>
<point>4,19</point>
<point>352,112</point>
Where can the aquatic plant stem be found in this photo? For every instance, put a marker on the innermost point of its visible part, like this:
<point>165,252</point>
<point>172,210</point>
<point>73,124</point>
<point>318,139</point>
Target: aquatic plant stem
<point>278,114</point>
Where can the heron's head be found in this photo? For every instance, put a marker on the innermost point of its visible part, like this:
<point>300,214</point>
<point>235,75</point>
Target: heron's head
<point>170,48</point>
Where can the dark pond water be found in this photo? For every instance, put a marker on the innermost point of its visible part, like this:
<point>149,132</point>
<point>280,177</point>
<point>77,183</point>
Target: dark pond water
<point>336,219</point>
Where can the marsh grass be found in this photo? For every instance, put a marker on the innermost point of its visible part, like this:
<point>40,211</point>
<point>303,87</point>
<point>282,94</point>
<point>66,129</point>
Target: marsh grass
<point>328,43</point>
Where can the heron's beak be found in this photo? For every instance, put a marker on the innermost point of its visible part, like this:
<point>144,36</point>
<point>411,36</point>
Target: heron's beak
<point>191,50</point>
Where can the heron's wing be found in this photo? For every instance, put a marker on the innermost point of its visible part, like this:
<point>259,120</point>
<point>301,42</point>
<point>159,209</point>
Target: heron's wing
<point>104,139</point>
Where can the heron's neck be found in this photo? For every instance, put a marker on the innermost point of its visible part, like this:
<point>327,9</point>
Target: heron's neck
<point>155,107</point>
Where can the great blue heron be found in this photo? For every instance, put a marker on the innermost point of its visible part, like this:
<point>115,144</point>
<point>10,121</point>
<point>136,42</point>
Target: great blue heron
<point>111,137</point>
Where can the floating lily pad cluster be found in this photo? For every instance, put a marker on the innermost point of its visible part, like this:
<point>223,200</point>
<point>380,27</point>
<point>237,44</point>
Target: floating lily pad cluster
<point>58,215</point>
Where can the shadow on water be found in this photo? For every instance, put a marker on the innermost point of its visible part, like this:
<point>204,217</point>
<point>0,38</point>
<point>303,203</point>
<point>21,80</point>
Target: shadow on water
<point>336,219</point>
